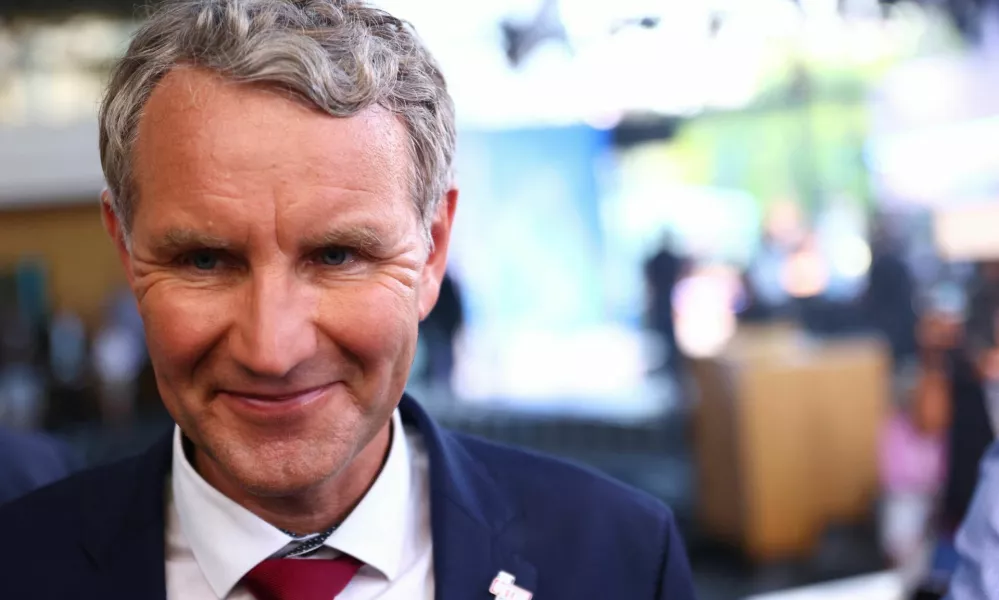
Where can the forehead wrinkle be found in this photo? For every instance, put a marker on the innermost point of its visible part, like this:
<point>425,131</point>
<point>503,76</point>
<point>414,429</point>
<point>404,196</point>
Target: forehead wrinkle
<point>360,172</point>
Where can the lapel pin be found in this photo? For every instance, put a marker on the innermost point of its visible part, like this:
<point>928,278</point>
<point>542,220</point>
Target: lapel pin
<point>503,588</point>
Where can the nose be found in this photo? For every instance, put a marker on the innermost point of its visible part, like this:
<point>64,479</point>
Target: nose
<point>274,330</point>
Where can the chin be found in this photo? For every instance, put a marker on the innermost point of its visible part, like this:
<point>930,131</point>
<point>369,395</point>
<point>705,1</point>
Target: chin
<point>281,487</point>
<point>282,469</point>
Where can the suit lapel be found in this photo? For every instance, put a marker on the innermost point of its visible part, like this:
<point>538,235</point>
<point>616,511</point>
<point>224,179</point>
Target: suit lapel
<point>475,526</point>
<point>123,526</point>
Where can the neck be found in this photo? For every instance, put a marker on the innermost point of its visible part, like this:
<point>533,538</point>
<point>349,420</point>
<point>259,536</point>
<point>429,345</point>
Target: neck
<point>316,508</point>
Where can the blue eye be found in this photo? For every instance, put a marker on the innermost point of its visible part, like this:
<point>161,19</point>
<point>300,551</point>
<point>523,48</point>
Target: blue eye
<point>334,257</point>
<point>203,260</point>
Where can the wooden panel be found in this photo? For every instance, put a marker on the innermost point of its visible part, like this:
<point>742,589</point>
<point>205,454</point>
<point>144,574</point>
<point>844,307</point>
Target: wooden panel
<point>719,495</point>
<point>852,391</point>
<point>774,457</point>
<point>786,439</point>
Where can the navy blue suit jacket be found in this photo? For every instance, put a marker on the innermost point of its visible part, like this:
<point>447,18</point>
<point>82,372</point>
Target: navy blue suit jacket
<point>564,532</point>
<point>29,461</point>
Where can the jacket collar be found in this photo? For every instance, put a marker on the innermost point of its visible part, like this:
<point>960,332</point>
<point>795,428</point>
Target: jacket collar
<point>123,519</point>
<point>475,524</point>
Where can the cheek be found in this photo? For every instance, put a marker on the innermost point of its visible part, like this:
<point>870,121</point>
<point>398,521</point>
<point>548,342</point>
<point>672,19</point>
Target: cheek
<point>181,326</point>
<point>375,323</point>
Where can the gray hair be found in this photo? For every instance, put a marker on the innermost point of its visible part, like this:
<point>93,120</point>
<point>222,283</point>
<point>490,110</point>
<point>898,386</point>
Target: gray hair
<point>341,56</point>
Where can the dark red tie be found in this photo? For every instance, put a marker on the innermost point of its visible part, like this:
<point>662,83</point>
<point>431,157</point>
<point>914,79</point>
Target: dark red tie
<point>301,579</point>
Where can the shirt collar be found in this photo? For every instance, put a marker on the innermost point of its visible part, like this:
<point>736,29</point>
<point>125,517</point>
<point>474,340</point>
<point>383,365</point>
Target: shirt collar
<point>375,531</point>
<point>227,540</point>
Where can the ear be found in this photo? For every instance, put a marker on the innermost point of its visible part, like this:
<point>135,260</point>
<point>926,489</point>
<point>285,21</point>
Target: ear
<point>433,271</point>
<point>115,229</point>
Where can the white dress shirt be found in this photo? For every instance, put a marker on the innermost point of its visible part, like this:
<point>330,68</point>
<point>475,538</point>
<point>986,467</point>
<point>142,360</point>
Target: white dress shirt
<point>212,542</point>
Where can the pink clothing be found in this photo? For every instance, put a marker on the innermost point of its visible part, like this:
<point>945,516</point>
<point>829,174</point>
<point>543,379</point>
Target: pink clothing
<point>910,460</point>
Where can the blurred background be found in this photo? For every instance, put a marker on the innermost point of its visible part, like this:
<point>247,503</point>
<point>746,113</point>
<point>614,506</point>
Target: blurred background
<point>742,254</point>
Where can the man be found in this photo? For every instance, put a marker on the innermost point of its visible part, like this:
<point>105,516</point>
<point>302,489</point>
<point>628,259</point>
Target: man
<point>888,300</point>
<point>29,461</point>
<point>662,273</point>
<point>279,195</point>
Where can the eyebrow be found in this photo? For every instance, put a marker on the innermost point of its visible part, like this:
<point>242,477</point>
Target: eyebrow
<point>185,239</point>
<point>365,238</point>
<point>362,237</point>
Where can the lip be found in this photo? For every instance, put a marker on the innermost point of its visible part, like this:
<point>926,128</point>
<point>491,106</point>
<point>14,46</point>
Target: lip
<point>272,406</point>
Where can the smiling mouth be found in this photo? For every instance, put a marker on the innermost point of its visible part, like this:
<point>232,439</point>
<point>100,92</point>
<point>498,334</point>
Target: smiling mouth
<point>281,396</point>
<point>271,403</point>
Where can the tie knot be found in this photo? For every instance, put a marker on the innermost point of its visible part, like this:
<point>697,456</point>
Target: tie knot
<point>301,579</point>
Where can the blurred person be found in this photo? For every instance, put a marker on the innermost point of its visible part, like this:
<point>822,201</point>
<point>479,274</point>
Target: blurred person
<point>118,358</point>
<point>29,461</point>
<point>912,467</point>
<point>889,300</point>
<point>662,273</point>
<point>969,434</point>
<point>983,306</point>
<point>439,331</point>
<point>765,273</point>
<point>68,350</point>
<point>750,307</point>
<point>973,372</point>
<point>22,383</point>
<point>937,333</point>
<point>280,196</point>
<point>68,369</point>
<point>119,354</point>
<point>806,273</point>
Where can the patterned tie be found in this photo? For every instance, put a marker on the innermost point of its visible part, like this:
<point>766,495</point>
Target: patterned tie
<point>301,579</point>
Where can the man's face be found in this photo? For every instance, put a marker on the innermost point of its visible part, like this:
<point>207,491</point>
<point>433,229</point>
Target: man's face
<point>279,268</point>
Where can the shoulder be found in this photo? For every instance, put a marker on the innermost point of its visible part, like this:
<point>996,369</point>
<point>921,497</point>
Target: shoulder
<point>57,504</point>
<point>24,447</point>
<point>58,524</point>
<point>567,514</point>
<point>565,493</point>
<point>31,460</point>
